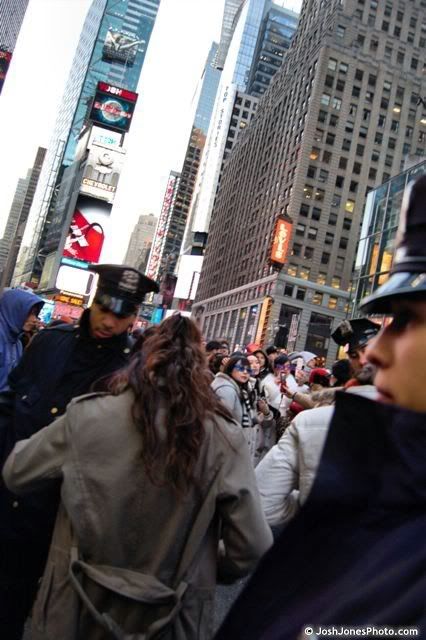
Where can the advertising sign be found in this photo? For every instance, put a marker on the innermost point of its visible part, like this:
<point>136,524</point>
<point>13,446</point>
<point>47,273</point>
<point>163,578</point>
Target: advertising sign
<point>72,280</point>
<point>5,58</point>
<point>120,47</point>
<point>87,230</point>
<point>102,173</point>
<point>156,254</point>
<point>113,107</point>
<point>282,235</point>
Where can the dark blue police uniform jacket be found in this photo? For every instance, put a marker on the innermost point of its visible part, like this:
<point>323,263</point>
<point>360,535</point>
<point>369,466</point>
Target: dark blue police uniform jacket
<point>61,363</point>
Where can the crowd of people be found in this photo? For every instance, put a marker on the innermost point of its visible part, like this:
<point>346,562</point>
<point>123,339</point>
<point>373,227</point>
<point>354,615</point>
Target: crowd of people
<point>137,475</point>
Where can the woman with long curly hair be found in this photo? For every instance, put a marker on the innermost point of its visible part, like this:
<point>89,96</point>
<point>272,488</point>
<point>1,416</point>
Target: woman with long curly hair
<point>154,475</point>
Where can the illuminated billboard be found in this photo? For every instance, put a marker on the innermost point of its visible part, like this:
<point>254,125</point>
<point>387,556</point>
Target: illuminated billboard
<point>5,58</point>
<point>113,107</point>
<point>281,241</point>
<point>120,47</point>
<point>86,234</point>
<point>102,173</point>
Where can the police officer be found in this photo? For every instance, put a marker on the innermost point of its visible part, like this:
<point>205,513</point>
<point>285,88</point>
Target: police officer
<point>355,335</point>
<point>61,363</point>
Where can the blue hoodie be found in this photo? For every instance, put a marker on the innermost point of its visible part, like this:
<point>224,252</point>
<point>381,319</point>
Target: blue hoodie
<point>15,305</point>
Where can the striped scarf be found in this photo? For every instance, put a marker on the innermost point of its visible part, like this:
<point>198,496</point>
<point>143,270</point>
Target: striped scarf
<point>246,421</point>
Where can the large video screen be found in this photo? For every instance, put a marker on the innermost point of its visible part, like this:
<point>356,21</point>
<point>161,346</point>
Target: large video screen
<point>113,107</point>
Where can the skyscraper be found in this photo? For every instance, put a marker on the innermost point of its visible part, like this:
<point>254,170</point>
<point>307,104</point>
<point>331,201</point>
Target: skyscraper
<point>340,116</point>
<point>191,164</point>
<point>140,242</point>
<point>12,13</point>
<point>112,50</point>
<point>244,55</point>
<point>17,220</point>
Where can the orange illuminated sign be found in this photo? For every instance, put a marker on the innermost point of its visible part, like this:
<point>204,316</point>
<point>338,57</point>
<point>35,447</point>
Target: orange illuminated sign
<point>282,234</point>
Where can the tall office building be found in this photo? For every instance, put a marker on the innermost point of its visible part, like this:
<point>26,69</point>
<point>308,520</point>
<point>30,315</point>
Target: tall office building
<point>191,164</point>
<point>112,50</point>
<point>340,116</point>
<point>230,16</point>
<point>140,242</point>
<point>17,220</point>
<point>223,133</point>
<point>12,13</point>
<point>277,29</point>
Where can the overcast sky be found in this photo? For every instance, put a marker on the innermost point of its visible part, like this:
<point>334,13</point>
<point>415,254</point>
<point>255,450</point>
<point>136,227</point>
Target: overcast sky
<point>159,133</point>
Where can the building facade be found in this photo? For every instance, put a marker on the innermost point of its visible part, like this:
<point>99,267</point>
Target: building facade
<point>17,221</point>
<point>112,50</point>
<point>339,118</point>
<point>12,14</point>
<point>241,59</point>
<point>379,226</point>
<point>140,242</point>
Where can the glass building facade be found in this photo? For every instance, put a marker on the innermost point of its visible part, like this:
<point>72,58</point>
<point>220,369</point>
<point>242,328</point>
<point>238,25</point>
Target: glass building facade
<point>207,96</point>
<point>131,19</point>
<point>379,227</point>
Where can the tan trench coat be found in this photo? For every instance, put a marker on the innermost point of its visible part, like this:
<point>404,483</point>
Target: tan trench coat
<point>120,519</point>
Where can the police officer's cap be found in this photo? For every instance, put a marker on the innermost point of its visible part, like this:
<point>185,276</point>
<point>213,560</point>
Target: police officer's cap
<point>408,272</point>
<point>355,333</point>
<point>121,289</point>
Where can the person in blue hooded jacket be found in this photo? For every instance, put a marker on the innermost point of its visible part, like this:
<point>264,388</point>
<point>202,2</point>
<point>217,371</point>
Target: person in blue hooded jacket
<point>18,312</point>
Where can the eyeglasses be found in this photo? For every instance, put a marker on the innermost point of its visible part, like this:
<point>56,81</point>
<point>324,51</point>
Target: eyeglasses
<point>243,369</point>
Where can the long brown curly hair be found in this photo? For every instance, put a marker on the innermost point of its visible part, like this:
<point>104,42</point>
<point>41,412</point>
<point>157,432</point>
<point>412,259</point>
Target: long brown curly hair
<point>171,371</point>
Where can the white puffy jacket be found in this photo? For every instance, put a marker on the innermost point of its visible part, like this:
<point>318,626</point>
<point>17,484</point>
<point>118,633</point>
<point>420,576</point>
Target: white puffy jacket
<point>286,474</point>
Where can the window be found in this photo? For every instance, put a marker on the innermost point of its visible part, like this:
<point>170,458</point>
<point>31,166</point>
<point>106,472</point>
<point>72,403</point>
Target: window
<point>360,149</point>
<point>325,99</point>
<point>292,270</point>
<point>378,138</point>
<point>333,120</point>
<point>319,135</point>
<point>400,57</point>
<point>369,96</point>
<point>352,110</point>
<point>329,81</point>
<point>384,103</point>
<point>372,174</point>
<point>311,171</point>
<point>322,116</point>
<point>312,233</point>
<point>300,293</point>
<point>339,181</point>
<point>388,161</point>
<point>381,121</point>
<point>343,163</point>
<point>314,155</point>
<point>414,63</point>
<point>347,223</point>
<point>329,237</point>
<point>363,131</point>
<point>330,138</point>
<point>322,278</point>
<point>340,85</point>
<point>356,168</point>
<point>392,143</point>
<point>332,219</point>
<point>309,252</point>
<point>340,263</point>
<point>346,145</point>
<point>332,64</point>
<point>304,210</point>
<point>332,302</point>
<point>319,195</point>
<point>340,31</point>
<point>325,257</point>
<point>374,43</point>
<point>387,85</point>
<point>359,74</point>
<point>336,200</point>
<point>385,25</point>
<point>336,103</point>
<point>317,299</point>
<point>343,244</point>
<point>375,156</point>
<point>300,229</point>
<point>323,175</point>
<point>366,115</point>
<point>297,249</point>
<point>288,290</point>
<point>372,80</point>
<point>349,206</point>
<point>343,68</point>
<point>356,91</point>
<point>326,157</point>
<point>395,126</point>
<point>353,186</point>
<point>335,282</point>
<point>316,213</point>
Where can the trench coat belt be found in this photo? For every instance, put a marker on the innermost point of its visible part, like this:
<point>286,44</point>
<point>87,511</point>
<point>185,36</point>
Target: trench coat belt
<point>131,584</point>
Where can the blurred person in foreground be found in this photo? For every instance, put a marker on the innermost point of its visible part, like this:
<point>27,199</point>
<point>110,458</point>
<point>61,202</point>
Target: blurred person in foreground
<point>60,363</point>
<point>355,554</point>
<point>135,546</point>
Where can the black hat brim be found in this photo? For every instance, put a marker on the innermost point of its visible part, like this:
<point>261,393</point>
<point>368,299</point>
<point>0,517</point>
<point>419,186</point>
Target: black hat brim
<point>399,285</point>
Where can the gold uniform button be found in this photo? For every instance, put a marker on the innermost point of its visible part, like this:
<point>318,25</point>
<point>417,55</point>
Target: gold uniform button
<point>24,397</point>
<point>15,504</point>
<point>99,346</point>
<point>126,350</point>
<point>54,410</point>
